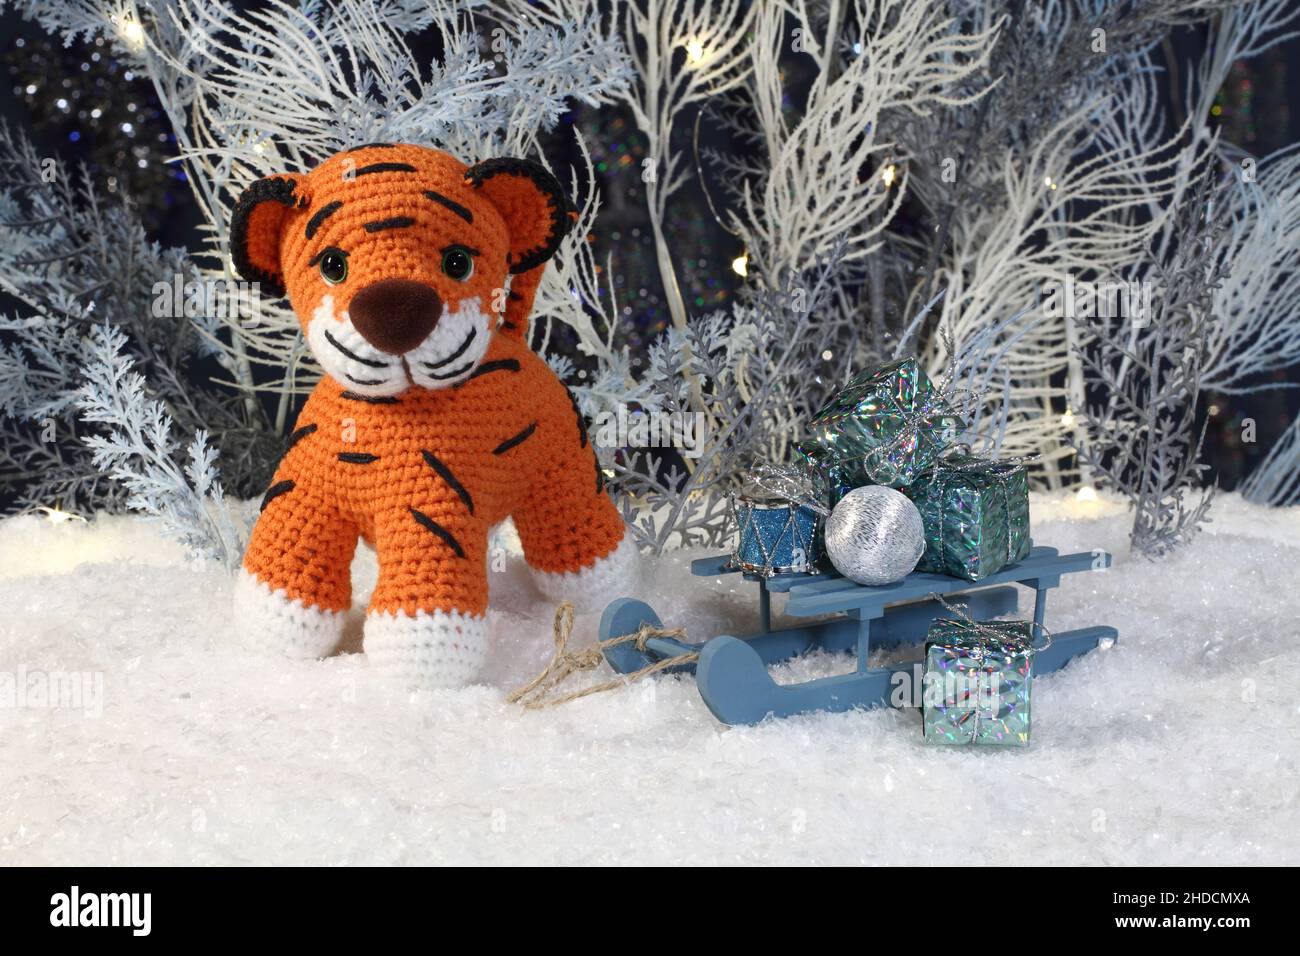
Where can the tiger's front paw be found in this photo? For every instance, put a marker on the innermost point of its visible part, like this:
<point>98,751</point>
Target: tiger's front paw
<point>594,586</point>
<point>427,650</point>
<point>271,622</point>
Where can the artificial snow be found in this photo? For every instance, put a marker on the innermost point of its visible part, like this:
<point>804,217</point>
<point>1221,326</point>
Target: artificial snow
<point>1180,744</point>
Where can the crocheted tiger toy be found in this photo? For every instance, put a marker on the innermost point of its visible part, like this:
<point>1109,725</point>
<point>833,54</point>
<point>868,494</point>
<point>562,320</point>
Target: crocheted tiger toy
<point>435,420</point>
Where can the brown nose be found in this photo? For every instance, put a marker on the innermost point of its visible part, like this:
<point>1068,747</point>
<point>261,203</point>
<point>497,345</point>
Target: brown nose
<point>395,315</point>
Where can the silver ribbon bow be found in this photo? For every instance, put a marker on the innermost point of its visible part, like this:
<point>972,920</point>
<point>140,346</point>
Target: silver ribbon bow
<point>798,485</point>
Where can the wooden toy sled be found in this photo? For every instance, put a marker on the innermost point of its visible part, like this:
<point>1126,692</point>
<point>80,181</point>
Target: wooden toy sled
<point>731,672</point>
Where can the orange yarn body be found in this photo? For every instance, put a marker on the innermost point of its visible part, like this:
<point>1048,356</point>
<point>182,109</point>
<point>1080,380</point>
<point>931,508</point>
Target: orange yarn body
<point>305,539</point>
<point>422,473</point>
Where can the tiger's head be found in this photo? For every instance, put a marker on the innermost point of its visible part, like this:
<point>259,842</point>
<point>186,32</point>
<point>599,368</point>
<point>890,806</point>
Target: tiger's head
<point>395,257</point>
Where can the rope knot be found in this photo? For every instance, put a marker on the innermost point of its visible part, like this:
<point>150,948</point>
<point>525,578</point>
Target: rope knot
<point>564,662</point>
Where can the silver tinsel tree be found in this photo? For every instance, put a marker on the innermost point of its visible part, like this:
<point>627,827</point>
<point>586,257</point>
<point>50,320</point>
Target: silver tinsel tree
<point>883,151</point>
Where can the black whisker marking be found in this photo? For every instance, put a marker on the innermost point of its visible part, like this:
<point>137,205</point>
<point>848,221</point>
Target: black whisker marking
<point>499,365</point>
<point>385,168</point>
<point>454,373</point>
<point>371,146</point>
<point>370,399</point>
<point>430,525</point>
<point>364,381</point>
<point>519,439</point>
<point>322,214</point>
<point>397,222</point>
<point>445,474</point>
<point>451,204</point>
<point>460,350</point>
<point>298,435</point>
<point>357,457</point>
<point>275,491</point>
<point>352,355</point>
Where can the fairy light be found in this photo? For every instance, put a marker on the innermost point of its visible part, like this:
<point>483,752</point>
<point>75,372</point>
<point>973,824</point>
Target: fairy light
<point>1049,182</point>
<point>1086,493</point>
<point>740,264</point>
<point>1068,420</point>
<point>58,516</point>
<point>889,174</point>
<point>132,34</point>
<point>695,51</point>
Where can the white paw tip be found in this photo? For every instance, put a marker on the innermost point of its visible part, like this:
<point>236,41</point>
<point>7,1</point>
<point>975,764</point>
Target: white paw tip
<point>270,621</point>
<point>427,650</point>
<point>594,586</point>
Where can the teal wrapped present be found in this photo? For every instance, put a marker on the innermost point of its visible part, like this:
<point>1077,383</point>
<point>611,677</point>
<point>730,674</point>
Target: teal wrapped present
<point>886,427</point>
<point>976,682</point>
<point>976,516</point>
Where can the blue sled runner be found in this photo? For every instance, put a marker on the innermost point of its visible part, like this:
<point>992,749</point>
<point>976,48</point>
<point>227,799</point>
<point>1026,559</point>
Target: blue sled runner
<point>731,672</point>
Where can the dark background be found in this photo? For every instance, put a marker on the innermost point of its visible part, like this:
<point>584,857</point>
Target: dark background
<point>80,103</point>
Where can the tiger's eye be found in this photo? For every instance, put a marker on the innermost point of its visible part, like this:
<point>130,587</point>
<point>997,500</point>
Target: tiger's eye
<point>333,266</point>
<point>458,263</point>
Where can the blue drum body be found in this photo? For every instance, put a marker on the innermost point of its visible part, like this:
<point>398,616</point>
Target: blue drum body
<point>775,536</point>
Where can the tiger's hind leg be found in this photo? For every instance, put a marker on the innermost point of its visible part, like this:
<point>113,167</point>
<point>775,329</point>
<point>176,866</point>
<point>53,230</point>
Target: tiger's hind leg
<point>574,539</point>
<point>426,626</point>
<point>295,586</point>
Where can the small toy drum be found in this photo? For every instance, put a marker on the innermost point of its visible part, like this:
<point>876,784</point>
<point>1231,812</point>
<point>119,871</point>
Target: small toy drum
<point>776,535</point>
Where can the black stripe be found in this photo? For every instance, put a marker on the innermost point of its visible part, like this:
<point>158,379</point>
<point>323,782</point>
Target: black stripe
<point>582,422</point>
<point>357,457</point>
<point>397,222</point>
<point>275,491</point>
<point>372,399</point>
<point>445,474</point>
<point>385,168</point>
<point>431,525</point>
<point>322,214</point>
<point>600,479</point>
<point>298,436</point>
<point>451,204</point>
<point>350,354</point>
<point>508,325</point>
<point>515,296</point>
<point>370,146</point>
<point>500,365</point>
<point>519,439</point>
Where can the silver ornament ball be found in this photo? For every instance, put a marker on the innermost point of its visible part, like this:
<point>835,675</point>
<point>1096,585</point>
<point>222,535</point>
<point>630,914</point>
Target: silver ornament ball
<point>875,535</point>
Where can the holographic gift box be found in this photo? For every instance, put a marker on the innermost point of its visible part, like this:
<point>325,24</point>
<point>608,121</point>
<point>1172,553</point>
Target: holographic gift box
<point>886,427</point>
<point>976,682</point>
<point>778,518</point>
<point>976,516</point>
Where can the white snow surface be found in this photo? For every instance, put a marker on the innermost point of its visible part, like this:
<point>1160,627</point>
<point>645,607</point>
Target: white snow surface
<point>1181,744</point>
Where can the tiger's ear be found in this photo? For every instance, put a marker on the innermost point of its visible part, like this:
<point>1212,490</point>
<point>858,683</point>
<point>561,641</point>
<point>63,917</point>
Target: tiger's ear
<point>256,225</point>
<point>531,202</point>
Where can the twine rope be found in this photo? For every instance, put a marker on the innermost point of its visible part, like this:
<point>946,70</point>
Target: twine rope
<point>564,663</point>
